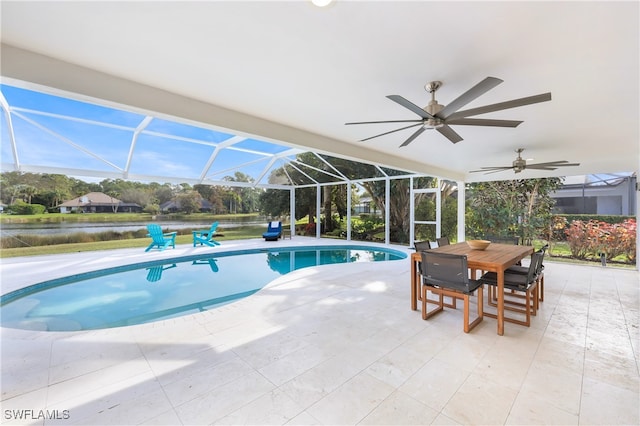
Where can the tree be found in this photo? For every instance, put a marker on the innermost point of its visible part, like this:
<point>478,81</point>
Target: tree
<point>138,196</point>
<point>511,208</point>
<point>189,201</point>
<point>163,193</point>
<point>244,199</point>
<point>399,203</point>
<point>275,202</point>
<point>29,191</point>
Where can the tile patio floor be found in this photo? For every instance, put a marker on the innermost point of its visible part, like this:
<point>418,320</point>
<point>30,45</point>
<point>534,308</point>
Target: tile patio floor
<point>336,344</point>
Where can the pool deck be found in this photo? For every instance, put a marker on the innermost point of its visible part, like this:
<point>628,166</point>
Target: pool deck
<point>335,344</point>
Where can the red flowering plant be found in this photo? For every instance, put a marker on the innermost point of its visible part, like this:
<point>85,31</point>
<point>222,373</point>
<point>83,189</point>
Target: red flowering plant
<point>310,229</point>
<point>595,238</point>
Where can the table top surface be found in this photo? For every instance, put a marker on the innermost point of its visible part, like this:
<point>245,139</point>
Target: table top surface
<point>493,257</point>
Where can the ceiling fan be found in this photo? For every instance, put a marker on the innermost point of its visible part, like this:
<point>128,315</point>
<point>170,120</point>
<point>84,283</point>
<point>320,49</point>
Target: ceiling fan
<point>440,117</point>
<point>520,164</point>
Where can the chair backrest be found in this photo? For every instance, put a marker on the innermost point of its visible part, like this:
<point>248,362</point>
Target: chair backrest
<point>445,269</point>
<point>422,245</point>
<point>274,226</point>
<point>540,265</point>
<point>155,231</point>
<point>443,241</point>
<point>212,230</point>
<point>535,266</point>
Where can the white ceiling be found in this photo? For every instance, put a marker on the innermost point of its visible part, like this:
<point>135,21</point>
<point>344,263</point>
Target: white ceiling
<point>295,73</point>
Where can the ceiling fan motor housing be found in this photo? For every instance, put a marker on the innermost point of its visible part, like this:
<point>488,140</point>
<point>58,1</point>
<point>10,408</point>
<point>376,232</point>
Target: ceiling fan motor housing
<point>519,165</point>
<point>433,108</point>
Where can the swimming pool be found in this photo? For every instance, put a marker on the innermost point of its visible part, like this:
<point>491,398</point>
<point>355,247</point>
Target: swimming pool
<point>154,291</point>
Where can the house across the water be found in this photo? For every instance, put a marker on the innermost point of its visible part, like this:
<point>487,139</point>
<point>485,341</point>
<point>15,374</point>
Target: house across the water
<point>98,202</point>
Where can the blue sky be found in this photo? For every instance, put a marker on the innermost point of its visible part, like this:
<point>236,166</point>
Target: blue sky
<point>99,138</point>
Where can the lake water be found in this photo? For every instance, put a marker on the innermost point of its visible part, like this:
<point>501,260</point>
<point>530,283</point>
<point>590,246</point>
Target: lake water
<point>72,227</point>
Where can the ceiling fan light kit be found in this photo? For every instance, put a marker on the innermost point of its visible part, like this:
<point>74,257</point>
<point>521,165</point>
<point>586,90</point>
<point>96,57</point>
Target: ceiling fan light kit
<point>441,117</point>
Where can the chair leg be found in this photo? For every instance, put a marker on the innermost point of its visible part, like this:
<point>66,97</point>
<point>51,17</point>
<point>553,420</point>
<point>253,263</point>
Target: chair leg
<point>528,308</point>
<point>425,300</point>
<point>468,326</point>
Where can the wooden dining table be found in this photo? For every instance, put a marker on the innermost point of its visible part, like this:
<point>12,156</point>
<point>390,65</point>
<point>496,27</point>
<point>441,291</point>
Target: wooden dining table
<point>496,258</point>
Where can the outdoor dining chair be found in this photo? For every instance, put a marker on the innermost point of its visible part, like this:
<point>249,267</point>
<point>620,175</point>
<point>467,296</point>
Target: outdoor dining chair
<point>517,269</point>
<point>447,274</point>
<point>442,241</point>
<point>518,283</point>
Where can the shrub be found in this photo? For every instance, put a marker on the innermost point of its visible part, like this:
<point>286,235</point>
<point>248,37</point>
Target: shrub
<point>310,229</point>
<point>594,238</point>
<point>21,207</point>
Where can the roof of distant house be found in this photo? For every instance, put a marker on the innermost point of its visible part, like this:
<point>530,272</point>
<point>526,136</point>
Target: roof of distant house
<point>91,199</point>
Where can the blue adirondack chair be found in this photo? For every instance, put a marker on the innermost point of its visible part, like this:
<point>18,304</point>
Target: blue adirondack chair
<point>159,239</point>
<point>206,237</point>
<point>274,231</point>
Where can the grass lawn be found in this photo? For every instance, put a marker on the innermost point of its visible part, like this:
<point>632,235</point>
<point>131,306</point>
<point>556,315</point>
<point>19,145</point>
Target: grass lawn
<point>118,217</point>
<point>238,233</point>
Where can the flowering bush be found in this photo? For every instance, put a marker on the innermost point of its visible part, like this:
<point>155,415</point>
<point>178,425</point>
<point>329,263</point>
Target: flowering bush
<point>594,238</point>
<point>310,229</point>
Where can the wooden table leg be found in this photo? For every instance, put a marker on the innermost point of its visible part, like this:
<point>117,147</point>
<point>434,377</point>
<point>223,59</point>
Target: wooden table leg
<point>414,303</point>
<point>500,274</point>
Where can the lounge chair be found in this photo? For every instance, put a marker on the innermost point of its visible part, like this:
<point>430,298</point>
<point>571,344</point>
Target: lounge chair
<point>274,231</point>
<point>205,237</point>
<point>159,239</point>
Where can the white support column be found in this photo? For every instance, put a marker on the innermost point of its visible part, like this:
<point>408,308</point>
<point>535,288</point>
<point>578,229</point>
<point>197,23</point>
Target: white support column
<point>387,198</point>
<point>461,211</point>
<point>412,211</point>
<point>318,206</point>
<point>348,210</point>
<point>292,211</point>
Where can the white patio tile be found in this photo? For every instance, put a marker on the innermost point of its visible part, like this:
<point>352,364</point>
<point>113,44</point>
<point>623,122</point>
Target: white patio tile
<point>223,400</point>
<point>273,408</point>
<point>435,383</point>
<point>352,401</point>
<point>603,403</point>
<point>480,401</point>
<point>531,408</point>
<point>204,380</point>
<point>400,409</point>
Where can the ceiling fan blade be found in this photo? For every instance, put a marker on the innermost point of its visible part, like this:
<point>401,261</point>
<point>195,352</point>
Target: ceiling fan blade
<point>413,136</point>
<point>484,122</point>
<point>449,133</point>
<point>503,105</point>
<point>409,105</point>
<point>541,168</point>
<point>468,96</point>
<point>392,131</point>
<point>491,169</point>
<point>387,121</point>
<point>562,163</point>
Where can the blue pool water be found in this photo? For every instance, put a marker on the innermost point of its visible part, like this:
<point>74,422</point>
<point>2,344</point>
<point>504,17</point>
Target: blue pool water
<point>155,291</point>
